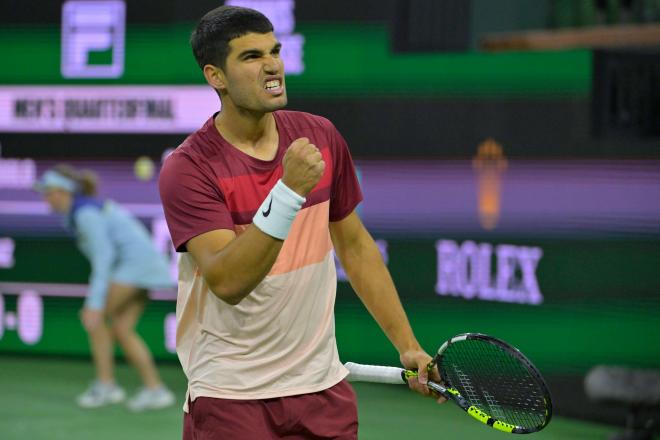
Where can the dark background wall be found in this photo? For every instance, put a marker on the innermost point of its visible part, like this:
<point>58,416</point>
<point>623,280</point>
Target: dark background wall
<point>398,103</point>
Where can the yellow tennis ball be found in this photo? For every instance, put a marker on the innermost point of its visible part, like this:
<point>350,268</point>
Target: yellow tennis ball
<point>144,168</point>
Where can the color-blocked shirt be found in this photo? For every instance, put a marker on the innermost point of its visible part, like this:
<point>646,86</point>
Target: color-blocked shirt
<point>279,340</point>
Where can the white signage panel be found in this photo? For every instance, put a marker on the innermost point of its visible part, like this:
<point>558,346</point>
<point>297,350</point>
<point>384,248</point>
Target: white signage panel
<point>106,109</point>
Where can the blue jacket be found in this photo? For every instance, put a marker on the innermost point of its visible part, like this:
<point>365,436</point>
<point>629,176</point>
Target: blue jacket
<point>118,247</point>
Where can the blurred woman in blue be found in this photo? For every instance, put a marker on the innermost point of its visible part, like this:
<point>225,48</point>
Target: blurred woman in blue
<point>124,266</point>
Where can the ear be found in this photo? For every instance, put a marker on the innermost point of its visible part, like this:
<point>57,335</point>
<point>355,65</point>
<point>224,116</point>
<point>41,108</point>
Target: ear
<point>215,77</point>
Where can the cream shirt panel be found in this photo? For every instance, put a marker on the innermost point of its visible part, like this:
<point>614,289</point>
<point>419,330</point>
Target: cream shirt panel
<point>280,339</point>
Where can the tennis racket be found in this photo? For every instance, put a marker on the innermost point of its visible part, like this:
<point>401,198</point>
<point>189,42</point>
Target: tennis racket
<point>488,378</point>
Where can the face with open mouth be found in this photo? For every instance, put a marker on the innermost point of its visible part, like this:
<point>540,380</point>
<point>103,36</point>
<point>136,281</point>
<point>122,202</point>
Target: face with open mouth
<point>274,86</point>
<point>254,73</point>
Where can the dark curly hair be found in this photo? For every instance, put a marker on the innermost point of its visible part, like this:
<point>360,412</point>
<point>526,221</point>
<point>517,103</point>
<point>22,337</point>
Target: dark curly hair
<point>210,40</point>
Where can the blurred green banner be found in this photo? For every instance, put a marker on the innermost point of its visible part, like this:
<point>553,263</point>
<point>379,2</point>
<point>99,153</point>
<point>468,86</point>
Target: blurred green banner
<point>339,60</point>
<point>591,310</point>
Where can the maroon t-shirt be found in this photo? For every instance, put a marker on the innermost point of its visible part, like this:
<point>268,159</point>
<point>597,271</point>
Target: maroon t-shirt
<point>207,184</point>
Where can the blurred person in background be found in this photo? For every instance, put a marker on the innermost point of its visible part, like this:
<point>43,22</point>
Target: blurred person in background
<point>124,265</point>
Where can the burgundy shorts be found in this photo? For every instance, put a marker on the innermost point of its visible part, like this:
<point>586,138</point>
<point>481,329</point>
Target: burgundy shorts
<point>328,414</point>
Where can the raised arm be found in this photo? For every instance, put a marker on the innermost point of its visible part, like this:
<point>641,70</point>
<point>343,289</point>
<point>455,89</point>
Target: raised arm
<point>234,265</point>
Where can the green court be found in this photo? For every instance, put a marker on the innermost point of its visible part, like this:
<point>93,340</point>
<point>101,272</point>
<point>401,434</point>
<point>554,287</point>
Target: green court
<point>37,402</point>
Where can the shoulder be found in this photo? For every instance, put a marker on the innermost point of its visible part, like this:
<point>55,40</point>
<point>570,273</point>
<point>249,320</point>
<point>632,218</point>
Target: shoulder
<point>191,149</point>
<point>187,169</point>
<point>303,120</point>
<point>189,158</point>
<point>88,216</point>
<point>319,129</point>
<point>86,211</point>
<point>199,145</point>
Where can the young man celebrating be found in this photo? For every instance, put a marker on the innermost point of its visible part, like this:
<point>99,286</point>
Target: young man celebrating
<point>256,200</point>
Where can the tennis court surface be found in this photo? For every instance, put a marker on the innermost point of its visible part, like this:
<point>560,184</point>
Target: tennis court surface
<point>37,402</point>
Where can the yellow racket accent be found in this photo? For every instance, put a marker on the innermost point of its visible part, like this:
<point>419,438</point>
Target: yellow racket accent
<point>454,392</point>
<point>504,427</point>
<point>478,414</point>
<point>409,374</point>
<point>486,419</point>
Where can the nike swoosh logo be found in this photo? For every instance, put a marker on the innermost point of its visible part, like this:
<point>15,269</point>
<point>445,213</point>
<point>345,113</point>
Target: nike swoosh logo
<point>266,213</point>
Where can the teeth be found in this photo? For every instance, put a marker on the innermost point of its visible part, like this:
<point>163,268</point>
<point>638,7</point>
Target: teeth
<point>273,84</point>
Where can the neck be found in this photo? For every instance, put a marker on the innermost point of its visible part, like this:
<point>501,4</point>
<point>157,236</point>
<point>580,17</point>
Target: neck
<point>66,205</point>
<point>243,128</point>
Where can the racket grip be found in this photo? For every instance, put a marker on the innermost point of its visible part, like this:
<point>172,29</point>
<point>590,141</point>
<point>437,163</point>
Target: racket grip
<point>374,373</point>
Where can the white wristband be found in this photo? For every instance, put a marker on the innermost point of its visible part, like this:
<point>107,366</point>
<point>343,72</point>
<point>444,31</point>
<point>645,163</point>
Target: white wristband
<point>276,214</point>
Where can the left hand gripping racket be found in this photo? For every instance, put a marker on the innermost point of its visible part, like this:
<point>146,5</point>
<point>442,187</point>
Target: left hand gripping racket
<point>488,378</point>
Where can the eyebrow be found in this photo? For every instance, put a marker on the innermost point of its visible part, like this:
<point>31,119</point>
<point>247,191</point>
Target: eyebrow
<point>247,52</point>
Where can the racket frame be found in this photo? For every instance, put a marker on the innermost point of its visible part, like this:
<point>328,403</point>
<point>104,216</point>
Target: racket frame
<point>382,374</point>
<point>453,394</point>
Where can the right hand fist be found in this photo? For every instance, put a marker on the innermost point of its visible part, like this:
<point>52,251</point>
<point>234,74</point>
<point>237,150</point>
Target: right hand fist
<point>303,166</point>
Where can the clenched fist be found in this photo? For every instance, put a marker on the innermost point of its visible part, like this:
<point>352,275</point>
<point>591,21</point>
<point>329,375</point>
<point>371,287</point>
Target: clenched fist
<point>303,166</point>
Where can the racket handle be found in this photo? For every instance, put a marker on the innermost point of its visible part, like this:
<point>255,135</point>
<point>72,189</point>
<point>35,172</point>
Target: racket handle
<point>392,375</point>
<point>374,373</point>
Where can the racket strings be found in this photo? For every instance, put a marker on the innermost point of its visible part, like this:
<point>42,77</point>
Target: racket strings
<point>494,381</point>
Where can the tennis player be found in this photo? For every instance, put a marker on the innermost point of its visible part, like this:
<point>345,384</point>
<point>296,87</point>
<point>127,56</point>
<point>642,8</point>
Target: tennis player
<point>124,265</point>
<point>256,200</point>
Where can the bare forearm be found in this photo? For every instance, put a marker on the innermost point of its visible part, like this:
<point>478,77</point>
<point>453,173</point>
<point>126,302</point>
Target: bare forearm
<point>373,284</point>
<point>236,270</point>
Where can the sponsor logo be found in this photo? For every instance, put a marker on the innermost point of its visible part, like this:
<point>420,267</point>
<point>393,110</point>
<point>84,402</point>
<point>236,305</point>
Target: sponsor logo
<point>266,213</point>
<point>504,273</point>
<point>93,39</point>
